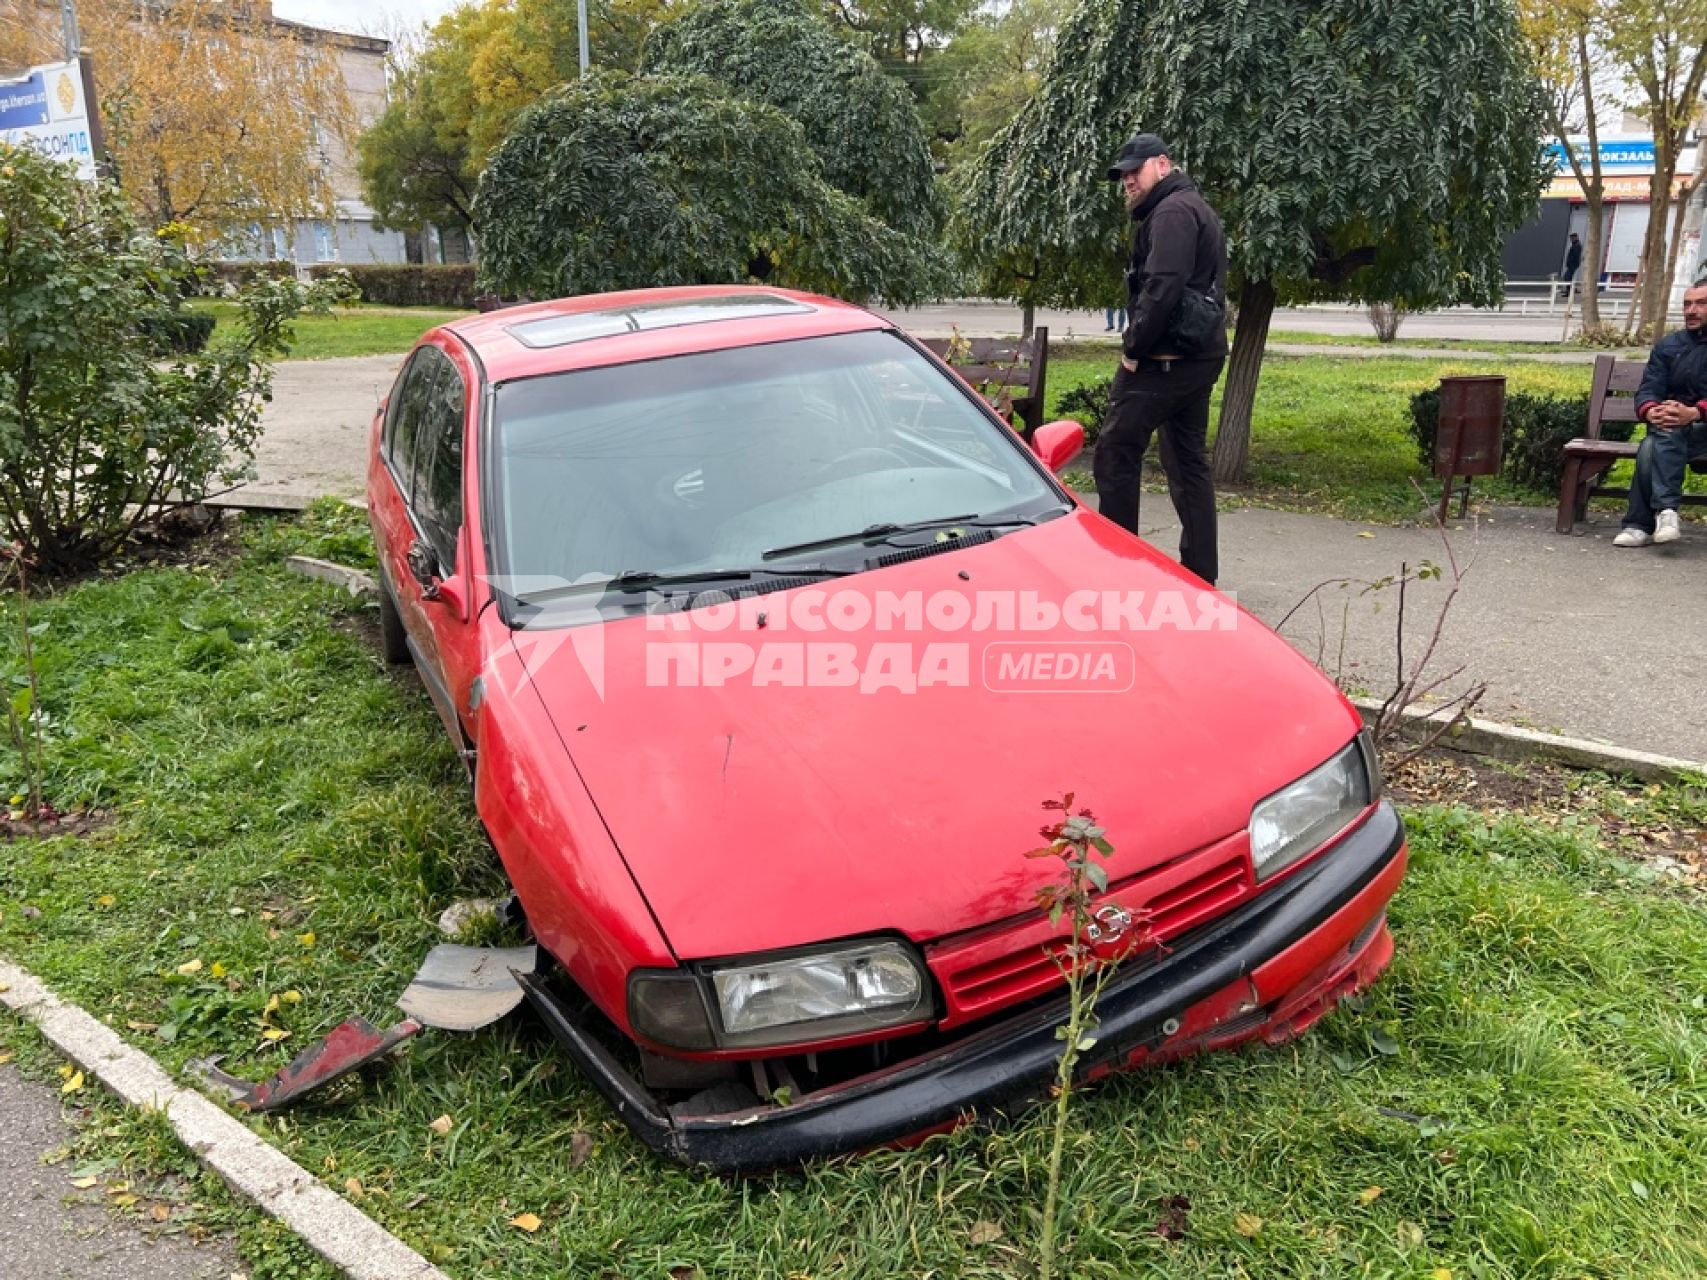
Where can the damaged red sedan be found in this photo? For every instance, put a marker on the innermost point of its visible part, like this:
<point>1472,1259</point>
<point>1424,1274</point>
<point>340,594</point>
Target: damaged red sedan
<point>765,639</point>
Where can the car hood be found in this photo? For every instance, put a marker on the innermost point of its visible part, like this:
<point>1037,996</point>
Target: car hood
<point>762,816</point>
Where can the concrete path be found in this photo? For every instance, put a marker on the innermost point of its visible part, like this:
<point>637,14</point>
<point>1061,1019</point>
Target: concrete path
<point>1571,634</point>
<point>52,1231</point>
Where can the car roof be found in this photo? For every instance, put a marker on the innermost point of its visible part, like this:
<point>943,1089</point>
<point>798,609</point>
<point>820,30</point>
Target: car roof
<point>647,324</point>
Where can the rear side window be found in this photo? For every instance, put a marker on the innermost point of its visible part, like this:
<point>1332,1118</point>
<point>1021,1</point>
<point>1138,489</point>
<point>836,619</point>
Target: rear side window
<point>438,482</point>
<point>403,434</point>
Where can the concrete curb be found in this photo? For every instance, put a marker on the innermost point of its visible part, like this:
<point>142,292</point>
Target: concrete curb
<point>354,581</point>
<point>1507,742</point>
<point>327,1223</point>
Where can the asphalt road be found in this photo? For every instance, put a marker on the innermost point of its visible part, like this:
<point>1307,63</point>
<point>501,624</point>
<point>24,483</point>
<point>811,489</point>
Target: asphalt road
<point>1566,631</point>
<point>49,1230</point>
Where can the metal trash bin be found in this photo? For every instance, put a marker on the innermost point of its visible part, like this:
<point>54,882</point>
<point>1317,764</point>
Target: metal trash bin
<point>1467,440</point>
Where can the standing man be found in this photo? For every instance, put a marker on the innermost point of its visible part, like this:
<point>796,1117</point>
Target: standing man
<point>1573,258</point>
<point>1672,400</point>
<point>1171,352</point>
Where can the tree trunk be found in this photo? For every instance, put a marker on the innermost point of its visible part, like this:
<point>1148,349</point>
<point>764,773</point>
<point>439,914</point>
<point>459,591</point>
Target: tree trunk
<point>1588,275</point>
<point>1028,319</point>
<point>1683,207</point>
<point>1238,396</point>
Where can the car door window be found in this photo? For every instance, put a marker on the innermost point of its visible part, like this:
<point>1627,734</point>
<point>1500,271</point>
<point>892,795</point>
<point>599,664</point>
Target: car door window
<point>405,440</point>
<point>438,484</point>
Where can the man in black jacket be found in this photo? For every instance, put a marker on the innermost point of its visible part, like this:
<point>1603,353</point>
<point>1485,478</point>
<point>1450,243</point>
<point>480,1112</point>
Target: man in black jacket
<point>1672,400</point>
<point>1178,273</point>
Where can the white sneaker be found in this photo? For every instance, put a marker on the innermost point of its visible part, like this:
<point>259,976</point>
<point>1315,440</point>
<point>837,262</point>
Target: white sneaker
<point>1665,527</point>
<point>1634,537</point>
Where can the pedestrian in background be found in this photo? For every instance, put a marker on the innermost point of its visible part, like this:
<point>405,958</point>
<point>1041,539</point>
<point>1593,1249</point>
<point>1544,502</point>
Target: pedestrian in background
<point>1172,350</point>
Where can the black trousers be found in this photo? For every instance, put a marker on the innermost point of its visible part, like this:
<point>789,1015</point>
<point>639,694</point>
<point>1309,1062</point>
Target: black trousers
<point>1175,401</point>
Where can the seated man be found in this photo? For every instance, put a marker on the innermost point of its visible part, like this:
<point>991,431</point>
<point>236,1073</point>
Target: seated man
<point>1672,400</point>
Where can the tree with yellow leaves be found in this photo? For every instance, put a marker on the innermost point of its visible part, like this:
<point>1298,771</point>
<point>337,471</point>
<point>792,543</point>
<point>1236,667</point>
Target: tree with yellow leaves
<point>217,116</point>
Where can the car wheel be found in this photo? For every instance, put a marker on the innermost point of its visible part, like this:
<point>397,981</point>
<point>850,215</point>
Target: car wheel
<point>393,640</point>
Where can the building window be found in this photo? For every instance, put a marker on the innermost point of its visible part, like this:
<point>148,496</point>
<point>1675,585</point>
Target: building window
<point>325,248</point>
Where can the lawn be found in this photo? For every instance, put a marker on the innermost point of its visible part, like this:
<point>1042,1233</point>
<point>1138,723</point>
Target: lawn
<point>1524,1095</point>
<point>1333,435</point>
<point>361,330</point>
<point>1307,338</point>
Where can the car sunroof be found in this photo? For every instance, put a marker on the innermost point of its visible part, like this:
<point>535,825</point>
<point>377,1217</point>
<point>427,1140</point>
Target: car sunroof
<point>583,326</point>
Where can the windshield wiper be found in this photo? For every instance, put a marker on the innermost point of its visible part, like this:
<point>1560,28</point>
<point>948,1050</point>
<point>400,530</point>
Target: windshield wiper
<point>632,580</point>
<point>884,532</point>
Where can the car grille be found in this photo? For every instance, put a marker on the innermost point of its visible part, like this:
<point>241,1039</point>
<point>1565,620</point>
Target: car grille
<point>1002,965</point>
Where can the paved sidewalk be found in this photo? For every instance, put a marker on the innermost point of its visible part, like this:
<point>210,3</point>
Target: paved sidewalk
<point>1571,634</point>
<point>51,1231</point>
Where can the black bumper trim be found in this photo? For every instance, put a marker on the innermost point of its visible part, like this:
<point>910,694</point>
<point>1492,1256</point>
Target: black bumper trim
<point>1013,1059</point>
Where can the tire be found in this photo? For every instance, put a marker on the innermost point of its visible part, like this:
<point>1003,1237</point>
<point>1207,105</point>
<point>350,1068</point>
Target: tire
<point>393,640</point>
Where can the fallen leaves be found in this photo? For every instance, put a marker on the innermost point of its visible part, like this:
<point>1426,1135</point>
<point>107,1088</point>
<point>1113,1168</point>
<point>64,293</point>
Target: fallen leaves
<point>580,1148</point>
<point>189,967</point>
<point>528,1222</point>
<point>984,1232</point>
<point>1175,1224</point>
<point>1369,1195</point>
<point>73,1081</point>
<point>442,1125</point>
<point>1247,1224</point>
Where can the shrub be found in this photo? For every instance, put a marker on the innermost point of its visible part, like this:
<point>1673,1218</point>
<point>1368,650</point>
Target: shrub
<point>1532,437</point>
<point>408,285</point>
<point>97,431</point>
<point>176,332</point>
<point>1385,318</point>
<point>219,278</point>
<point>1088,405</point>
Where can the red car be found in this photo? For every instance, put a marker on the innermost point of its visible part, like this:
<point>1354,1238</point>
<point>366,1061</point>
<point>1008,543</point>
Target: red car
<point>764,640</point>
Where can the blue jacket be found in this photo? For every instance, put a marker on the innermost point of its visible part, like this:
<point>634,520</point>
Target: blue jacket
<point>1677,370</point>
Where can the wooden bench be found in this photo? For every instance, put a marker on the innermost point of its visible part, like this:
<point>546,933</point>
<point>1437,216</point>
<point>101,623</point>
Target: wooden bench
<point>993,365</point>
<point>1612,398</point>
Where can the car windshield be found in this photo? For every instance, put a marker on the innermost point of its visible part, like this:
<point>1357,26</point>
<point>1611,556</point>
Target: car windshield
<point>731,459</point>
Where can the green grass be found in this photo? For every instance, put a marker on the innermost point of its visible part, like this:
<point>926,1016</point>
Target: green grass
<point>1534,348</point>
<point>1333,435</point>
<point>268,780</point>
<point>362,330</point>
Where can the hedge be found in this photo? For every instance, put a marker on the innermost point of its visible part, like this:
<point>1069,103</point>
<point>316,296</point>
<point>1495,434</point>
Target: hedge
<point>409,285</point>
<point>176,332</point>
<point>1533,436</point>
<point>219,277</point>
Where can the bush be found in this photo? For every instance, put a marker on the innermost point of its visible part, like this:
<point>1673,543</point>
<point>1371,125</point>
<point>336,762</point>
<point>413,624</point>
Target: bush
<point>1087,405</point>
<point>228,277</point>
<point>408,285</point>
<point>1532,438</point>
<point>176,332</point>
<point>97,431</point>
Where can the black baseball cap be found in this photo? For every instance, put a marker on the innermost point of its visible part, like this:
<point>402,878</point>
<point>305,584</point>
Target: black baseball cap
<point>1142,147</point>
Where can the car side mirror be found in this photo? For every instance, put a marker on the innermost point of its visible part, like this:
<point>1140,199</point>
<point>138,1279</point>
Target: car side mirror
<point>425,569</point>
<point>1058,443</point>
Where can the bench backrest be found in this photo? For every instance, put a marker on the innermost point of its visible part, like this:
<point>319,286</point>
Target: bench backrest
<point>992,364</point>
<point>1612,396</point>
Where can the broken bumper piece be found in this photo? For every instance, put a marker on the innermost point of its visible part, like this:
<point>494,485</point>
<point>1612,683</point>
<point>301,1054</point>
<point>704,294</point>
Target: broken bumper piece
<point>1269,969</point>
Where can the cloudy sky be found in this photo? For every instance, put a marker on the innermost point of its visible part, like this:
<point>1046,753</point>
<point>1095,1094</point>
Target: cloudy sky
<point>373,17</point>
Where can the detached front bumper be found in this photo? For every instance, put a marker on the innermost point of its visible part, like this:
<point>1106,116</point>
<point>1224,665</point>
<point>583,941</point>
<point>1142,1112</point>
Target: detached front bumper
<point>1269,969</point>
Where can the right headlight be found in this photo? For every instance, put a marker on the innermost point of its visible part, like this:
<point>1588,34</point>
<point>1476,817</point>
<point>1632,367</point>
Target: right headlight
<point>1306,815</point>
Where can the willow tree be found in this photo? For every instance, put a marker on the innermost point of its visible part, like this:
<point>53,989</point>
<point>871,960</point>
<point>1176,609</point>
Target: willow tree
<point>618,183</point>
<point>862,124</point>
<point>1359,152</point>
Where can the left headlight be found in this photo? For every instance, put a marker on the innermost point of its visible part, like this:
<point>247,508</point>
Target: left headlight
<point>790,998</point>
<point>1306,815</point>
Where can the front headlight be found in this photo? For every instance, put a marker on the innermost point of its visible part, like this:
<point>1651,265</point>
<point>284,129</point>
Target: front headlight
<point>1306,815</point>
<point>792,998</point>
